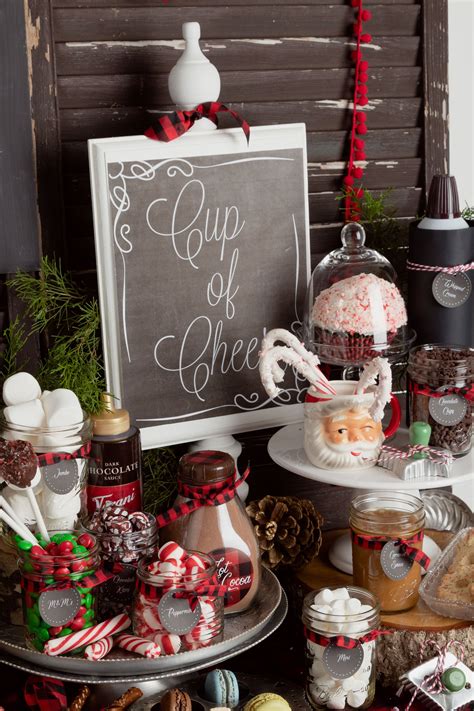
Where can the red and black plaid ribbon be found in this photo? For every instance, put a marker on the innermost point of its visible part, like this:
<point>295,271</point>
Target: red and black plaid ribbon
<point>54,457</point>
<point>212,588</point>
<point>90,581</point>
<point>341,640</point>
<point>376,543</point>
<point>467,391</point>
<point>44,694</point>
<point>172,126</point>
<point>214,494</point>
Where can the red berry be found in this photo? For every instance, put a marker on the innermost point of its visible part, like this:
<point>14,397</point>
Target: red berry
<point>363,77</point>
<point>61,573</point>
<point>358,173</point>
<point>65,547</point>
<point>348,180</point>
<point>363,91</point>
<point>360,155</point>
<point>362,101</point>
<point>366,38</point>
<point>363,66</point>
<point>54,631</point>
<point>78,623</point>
<point>361,128</point>
<point>86,540</point>
<point>359,143</point>
<point>366,15</point>
<point>361,117</point>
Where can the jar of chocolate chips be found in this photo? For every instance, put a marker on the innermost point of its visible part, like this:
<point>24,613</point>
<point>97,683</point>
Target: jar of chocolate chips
<point>441,393</point>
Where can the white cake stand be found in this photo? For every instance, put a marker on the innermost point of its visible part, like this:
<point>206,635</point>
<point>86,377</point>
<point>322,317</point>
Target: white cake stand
<point>286,450</point>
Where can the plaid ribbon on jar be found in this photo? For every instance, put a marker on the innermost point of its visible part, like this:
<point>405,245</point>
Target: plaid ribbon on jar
<point>341,640</point>
<point>172,126</point>
<point>214,494</point>
<point>54,457</point>
<point>376,543</point>
<point>90,581</point>
<point>212,588</point>
<point>467,391</point>
<point>44,694</point>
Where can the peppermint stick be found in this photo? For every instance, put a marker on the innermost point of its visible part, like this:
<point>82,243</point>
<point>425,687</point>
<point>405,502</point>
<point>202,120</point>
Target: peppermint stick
<point>64,645</point>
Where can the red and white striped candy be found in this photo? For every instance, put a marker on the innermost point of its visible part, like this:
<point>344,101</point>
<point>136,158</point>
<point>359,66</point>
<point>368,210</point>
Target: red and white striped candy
<point>169,643</point>
<point>208,611</point>
<point>98,650</point>
<point>138,645</point>
<point>195,561</point>
<point>151,618</point>
<point>172,551</point>
<point>64,645</point>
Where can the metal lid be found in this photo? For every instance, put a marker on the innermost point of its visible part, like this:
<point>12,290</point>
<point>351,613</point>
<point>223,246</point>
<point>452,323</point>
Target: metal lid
<point>443,200</point>
<point>205,466</point>
<point>110,421</point>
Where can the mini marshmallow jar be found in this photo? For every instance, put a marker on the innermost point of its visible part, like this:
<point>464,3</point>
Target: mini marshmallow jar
<point>350,612</point>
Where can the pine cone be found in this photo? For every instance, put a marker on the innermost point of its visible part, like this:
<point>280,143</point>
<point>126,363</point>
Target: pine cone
<point>288,530</point>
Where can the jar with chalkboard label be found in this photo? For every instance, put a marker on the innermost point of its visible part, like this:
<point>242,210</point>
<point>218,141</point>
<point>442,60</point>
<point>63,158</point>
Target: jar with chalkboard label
<point>441,393</point>
<point>222,530</point>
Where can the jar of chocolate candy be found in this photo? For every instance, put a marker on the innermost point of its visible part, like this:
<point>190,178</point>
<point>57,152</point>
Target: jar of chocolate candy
<point>340,628</point>
<point>124,539</point>
<point>59,581</point>
<point>387,537</point>
<point>441,393</point>
<point>178,603</point>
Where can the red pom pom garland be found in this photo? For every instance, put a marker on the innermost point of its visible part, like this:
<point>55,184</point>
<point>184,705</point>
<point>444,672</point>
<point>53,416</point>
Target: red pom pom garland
<point>359,118</point>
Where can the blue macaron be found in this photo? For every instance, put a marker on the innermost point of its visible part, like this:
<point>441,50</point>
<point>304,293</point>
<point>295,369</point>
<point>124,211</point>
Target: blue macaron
<point>222,688</point>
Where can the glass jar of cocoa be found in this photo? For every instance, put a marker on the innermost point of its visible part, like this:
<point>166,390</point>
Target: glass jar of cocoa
<point>441,393</point>
<point>387,537</point>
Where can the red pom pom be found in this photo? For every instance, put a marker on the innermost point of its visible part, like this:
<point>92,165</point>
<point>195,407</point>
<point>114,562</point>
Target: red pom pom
<point>358,173</point>
<point>355,55</point>
<point>362,89</point>
<point>362,101</point>
<point>356,27</point>
<point>363,66</point>
<point>361,129</point>
<point>359,193</point>
<point>356,3</point>
<point>348,180</point>
<point>366,38</point>
<point>360,155</point>
<point>359,143</point>
<point>363,77</point>
<point>361,117</point>
<point>366,15</point>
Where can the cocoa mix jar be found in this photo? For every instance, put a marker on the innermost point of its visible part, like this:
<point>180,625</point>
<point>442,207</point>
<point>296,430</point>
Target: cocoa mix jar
<point>441,393</point>
<point>386,527</point>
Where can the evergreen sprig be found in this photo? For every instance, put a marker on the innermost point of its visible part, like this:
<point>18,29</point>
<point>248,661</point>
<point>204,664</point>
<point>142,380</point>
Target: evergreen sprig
<point>15,339</point>
<point>159,476</point>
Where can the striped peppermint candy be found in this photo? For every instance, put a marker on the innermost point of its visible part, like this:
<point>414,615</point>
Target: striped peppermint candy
<point>64,645</point>
<point>169,643</point>
<point>172,551</point>
<point>98,650</point>
<point>138,645</point>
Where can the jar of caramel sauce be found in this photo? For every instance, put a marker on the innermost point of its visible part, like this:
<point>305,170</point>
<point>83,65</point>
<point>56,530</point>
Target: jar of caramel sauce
<point>390,576</point>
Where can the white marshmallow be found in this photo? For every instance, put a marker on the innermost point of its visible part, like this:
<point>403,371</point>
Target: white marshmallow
<point>356,698</point>
<point>341,594</point>
<point>339,606</point>
<point>27,414</point>
<point>318,668</point>
<point>44,394</point>
<point>350,684</point>
<point>337,699</point>
<point>315,649</point>
<point>62,408</point>
<point>20,388</point>
<point>364,608</point>
<point>60,524</point>
<point>59,505</point>
<point>352,606</point>
<point>323,597</point>
<point>20,504</point>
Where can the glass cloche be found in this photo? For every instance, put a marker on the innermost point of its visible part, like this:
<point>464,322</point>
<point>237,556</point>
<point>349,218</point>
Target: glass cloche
<point>354,309</point>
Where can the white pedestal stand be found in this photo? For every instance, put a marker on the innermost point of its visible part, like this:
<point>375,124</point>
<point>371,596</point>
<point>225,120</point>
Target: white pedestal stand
<point>286,450</point>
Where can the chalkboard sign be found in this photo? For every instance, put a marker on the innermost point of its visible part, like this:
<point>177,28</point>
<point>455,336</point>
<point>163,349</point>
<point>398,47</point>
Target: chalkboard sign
<point>202,246</point>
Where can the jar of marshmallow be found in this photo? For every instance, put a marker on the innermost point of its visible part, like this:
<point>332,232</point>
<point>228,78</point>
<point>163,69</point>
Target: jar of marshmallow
<point>341,627</point>
<point>55,424</point>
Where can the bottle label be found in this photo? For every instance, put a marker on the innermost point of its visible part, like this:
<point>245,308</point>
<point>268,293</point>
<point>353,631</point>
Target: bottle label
<point>235,570</point>
<point>58,607</point>
<point>126,495</point>
<point>451,290</point>
<point>448,410</point>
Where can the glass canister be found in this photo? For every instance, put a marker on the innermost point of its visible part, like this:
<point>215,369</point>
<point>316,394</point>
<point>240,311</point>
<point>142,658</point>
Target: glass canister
<point>61,491</point>
<point>337,676</point>
<point>441,393</point>
<point>120,555</point>
<point>56,599</point>
<point>173,611</point>
<point>381,522</point>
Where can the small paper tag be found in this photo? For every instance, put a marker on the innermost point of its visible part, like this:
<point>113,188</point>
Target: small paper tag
<point>395,565</point>
<point>121,586</point>
<point>448,410</point>
<point>58,607</point>
<point>62,477</point>
<point>176,614</point>
<point>342,663</point>
<point>451,290</point>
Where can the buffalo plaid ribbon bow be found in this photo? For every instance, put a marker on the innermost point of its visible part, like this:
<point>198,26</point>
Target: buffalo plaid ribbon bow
<point>44,694</point>
<point>376,543</point>
<point>467,391</point>
<point>214,494</point>
<point>343,641</point>
<point>211,588</point>
<point>90,581</point>
<point>54,457</point>
<point>172,126</point>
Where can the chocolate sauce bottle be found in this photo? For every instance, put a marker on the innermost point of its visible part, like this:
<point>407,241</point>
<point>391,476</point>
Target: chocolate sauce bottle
<point>114,461</point>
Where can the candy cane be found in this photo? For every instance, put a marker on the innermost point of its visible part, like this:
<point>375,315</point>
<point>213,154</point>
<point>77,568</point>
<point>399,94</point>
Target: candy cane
<point>138,645</point>
<point>100,649</point>
<point>294,354</point>
<point>378,367</point>
<point>64,645</point>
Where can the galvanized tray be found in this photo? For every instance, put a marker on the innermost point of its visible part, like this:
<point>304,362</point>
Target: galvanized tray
<point>239,630</point>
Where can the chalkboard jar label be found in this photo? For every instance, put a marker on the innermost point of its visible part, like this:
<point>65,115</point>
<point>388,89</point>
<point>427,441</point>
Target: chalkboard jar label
<point>176,614</point>
<point>62,477</point>
<point>235,571</point>
<point>448,410</point>
<point>342,663</point>
<point>395,565</point>
<point>451,290</point>
<point>59,607</point>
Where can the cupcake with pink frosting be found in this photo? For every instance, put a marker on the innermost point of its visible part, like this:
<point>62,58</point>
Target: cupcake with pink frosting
<point>359,316</point>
